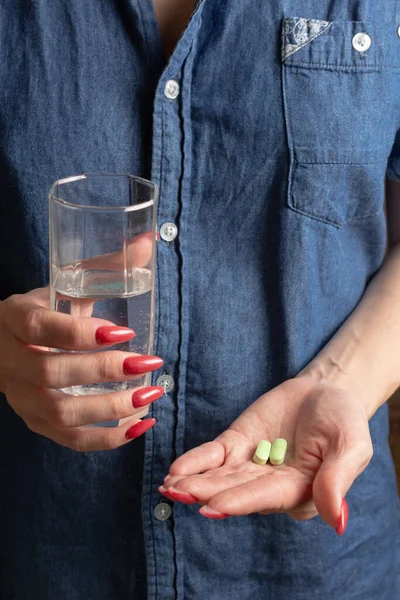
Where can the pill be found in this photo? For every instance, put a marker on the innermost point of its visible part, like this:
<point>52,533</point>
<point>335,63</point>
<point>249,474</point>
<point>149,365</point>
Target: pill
<point>261,455</point>
<point>278,451</point>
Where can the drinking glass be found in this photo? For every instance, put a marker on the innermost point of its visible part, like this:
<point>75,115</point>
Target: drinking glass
<point>102,258</point>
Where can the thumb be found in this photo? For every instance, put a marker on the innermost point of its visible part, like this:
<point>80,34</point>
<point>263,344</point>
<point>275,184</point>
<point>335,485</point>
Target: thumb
<point>338,470</point>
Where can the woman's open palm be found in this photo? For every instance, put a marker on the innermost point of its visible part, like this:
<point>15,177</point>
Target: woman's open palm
<point>329,445</point>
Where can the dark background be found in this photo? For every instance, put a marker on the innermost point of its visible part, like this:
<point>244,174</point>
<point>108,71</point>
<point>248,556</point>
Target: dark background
<point>394,406</point>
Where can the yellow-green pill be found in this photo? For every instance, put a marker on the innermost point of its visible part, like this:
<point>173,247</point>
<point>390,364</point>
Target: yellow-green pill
<point>261,455</point>
<point>278,451</point>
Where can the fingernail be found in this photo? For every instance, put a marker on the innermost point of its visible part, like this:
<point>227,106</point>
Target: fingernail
<point>115,335</point>
<point>139,428</point>
<point>212,514</point>
<point>166,478</point>
<point>164,492</point>
<point>183,497</point>
<point>343,518</point>
<point>146,396</point>
<point>137,365</point>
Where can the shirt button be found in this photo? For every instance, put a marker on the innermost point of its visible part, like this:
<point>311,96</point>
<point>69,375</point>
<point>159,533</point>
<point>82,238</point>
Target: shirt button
<point>172,89</point>
<point>167,382</point>
<point>398,31</point>
<point>361,42</point>
<point>168,232</point>
<point>163,511</point>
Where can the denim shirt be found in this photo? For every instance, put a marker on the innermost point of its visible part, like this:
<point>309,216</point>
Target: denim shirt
<point>271,157</point>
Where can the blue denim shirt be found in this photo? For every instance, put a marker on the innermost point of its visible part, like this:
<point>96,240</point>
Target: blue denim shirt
<point>271,162</point>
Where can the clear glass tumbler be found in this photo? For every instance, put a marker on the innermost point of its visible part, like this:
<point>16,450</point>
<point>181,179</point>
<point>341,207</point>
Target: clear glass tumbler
<point>102,258</point>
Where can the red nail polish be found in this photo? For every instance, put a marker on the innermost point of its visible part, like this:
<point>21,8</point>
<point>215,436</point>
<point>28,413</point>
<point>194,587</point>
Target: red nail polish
<point>139,428</point>
<point>343,518</point>
<point>164,492</point>
<point>114,335</point>
<point>212,514</point>
<point>137,365</point>
<point>146,396</point>
<point>183,497</point>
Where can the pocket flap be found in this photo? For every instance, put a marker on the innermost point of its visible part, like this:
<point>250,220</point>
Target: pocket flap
<point>298,32</point>
<point>346,45</point>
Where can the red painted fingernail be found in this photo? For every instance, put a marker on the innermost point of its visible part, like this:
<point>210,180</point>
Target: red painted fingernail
<point>114,335</point>
<point>212,514</point>
<point>137,365</point>
<point>164,492</point>
<point>146,396</point>
<point>183,497</point>
<point>343,518</point>
<point>139,428</point>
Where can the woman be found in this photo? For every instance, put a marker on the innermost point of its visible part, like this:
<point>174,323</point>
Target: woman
<point>269,130</point>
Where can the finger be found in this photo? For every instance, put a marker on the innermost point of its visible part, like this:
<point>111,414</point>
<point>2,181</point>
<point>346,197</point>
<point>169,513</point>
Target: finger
<point>305,512</point>
<point>203,488</point>
<point>138,253</point>
<point>40,296</point>
<point>76,307</point>
<point>341,466</point>
<point>205,457</point>
<point>140,249</point>
<point>220,472</point>
<point>190,499</point>
<point>273,493</point>
<point>60,370</point>
<point>89,439</point>
<point>62,410</point>
<point>38,326</point>
<point>80,307</point>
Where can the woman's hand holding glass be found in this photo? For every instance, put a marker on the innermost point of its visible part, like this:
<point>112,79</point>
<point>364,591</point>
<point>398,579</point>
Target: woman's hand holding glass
<point>31,374</point>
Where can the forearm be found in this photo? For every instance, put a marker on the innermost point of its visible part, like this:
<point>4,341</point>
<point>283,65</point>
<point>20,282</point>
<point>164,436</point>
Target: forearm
<point>364,356</point>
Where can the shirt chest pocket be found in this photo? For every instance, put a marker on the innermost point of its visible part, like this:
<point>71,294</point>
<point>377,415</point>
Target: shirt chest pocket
<point>341,83</point>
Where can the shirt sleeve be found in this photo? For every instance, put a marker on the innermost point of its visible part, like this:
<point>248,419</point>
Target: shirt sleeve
<point>393,170</point>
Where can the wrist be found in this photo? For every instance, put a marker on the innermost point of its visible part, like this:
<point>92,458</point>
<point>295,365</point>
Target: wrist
<point>360,383</point>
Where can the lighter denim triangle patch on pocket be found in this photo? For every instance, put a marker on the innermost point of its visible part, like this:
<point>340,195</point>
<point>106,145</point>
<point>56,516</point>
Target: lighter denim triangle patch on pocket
<point>298,32</point>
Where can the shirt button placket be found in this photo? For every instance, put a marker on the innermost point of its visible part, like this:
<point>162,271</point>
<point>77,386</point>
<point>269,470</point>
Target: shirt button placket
<point>171,166</point>
<point>167,173</point>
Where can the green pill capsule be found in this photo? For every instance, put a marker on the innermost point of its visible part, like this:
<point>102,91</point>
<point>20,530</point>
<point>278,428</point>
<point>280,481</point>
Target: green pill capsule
<point>261,455</point>
<point>278,451</point>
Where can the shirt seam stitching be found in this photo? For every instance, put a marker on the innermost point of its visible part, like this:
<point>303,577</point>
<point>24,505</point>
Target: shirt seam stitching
<point>341,163</point>
<point>342,66</point>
